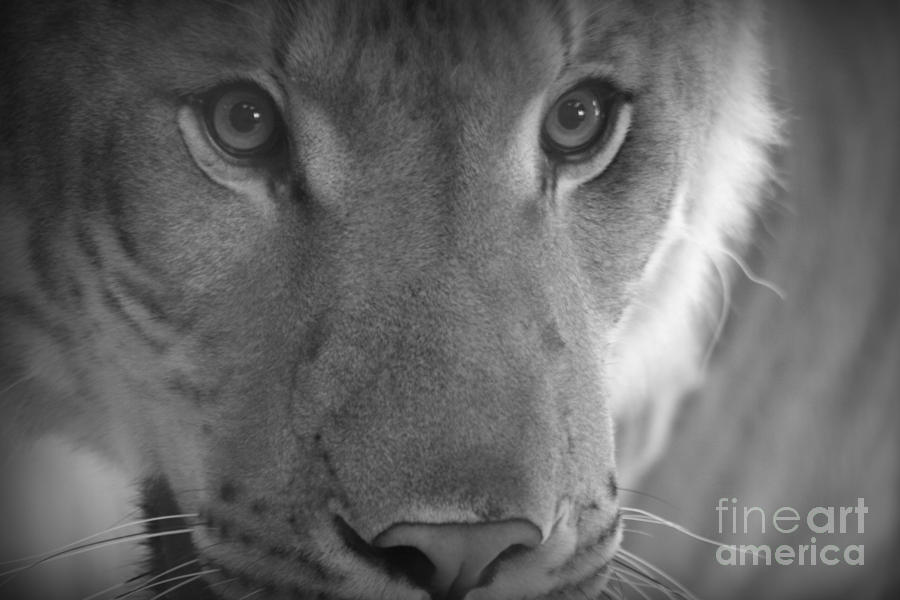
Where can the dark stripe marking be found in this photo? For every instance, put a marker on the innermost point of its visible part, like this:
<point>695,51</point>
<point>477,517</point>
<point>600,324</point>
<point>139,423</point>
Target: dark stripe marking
<point>111,301</point>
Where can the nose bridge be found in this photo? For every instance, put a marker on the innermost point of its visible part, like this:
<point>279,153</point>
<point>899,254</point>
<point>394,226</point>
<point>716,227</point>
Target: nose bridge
<point>467,347</point>
<point>452,416</point>
<point>451,408</point>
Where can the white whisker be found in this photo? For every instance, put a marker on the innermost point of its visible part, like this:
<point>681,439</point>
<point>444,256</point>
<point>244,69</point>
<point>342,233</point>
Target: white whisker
<point>649,517</point>
<point>98,534</point>
<point>649,581</point>
<point>151,584</point>
<point>620,577</point>
<point>636,532</point>
<point>168,591</point>
<point>689,533</point>
<point>106,591</point>
<point>186,563</point>
<point>608,592</point>
<point>11,573</point>
<point>111,588</point>
<point>630,556</point>
<point>637,578</point>
<point>223,582</point>
<point>253,593</point>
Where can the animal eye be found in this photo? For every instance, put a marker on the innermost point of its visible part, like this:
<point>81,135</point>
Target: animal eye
<point>581,118</point>
<point>243,120</point>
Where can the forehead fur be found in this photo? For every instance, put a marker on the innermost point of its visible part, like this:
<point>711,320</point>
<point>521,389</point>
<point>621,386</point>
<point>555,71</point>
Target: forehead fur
<point>340,41</point>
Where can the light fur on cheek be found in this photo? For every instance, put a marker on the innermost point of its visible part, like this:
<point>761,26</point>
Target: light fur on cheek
<point>662,343</point>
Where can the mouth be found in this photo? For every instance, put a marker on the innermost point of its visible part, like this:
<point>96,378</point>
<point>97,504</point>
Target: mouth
<point>177,571</point>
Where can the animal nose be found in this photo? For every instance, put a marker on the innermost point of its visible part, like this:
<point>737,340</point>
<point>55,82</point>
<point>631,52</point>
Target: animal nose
<point>459,554</point>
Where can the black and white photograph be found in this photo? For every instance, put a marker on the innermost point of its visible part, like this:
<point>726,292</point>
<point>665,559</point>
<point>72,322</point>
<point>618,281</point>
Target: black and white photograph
<point>449,300</point>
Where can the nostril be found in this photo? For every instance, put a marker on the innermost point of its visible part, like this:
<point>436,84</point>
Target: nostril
<point>410,561</point>
<point>398,560</point>
<point>456,557</point>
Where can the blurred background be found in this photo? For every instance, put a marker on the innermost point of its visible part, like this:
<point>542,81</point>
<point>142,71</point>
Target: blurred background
<point>803,404</point>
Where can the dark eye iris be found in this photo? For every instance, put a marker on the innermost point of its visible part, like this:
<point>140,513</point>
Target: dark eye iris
<point>243,120</point>
<point>580,118</point>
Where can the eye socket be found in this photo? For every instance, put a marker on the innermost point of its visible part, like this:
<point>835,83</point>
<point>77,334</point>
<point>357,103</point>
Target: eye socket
<point>581,118</point>
<point>242,120</point>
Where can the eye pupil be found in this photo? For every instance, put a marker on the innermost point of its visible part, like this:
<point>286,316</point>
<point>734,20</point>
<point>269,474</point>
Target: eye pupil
<point>571,114</point>
<point>244,117</point>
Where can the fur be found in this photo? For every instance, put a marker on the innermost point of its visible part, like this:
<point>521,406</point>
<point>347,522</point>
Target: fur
<point>413,314</point>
